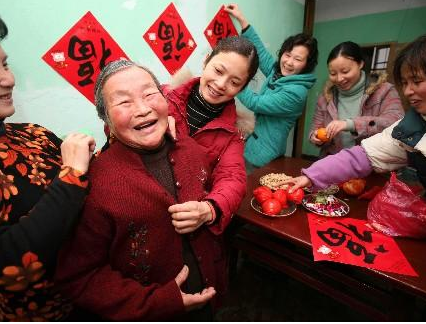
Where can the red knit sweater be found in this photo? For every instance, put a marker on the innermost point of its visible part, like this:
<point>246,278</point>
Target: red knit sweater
<point>125,254</point>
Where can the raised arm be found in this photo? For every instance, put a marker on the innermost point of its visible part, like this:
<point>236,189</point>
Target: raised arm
<point>284,102</point>
<point>266,60</point>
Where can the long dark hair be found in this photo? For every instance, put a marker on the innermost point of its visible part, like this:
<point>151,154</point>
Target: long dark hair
<point>3,30</point>
<point>414,56</point>
<point>239,45</point>
<point>305,40</point>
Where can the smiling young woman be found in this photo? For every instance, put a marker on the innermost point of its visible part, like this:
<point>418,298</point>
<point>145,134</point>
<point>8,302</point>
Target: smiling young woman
<point>399,145</point>
<point>353,105</point>
<point>204,108</point>
<point>281,100</point>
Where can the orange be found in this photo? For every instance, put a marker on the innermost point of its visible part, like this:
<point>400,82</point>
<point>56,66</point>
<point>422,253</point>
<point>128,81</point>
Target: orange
<point>322,134</point>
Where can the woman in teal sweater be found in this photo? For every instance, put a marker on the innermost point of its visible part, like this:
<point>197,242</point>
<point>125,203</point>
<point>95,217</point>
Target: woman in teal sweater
<point>282,97</point>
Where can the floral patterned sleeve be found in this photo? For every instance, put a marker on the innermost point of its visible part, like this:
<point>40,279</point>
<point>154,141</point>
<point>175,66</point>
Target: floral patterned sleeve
<point>46,226</point>
<point>40,201</point>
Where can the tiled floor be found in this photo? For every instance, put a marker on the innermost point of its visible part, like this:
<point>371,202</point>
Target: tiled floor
<point>260,294</point>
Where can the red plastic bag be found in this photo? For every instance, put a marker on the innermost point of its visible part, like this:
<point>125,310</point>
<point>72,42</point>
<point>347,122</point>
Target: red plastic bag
<point>370,194</point>
<point>398,210</point>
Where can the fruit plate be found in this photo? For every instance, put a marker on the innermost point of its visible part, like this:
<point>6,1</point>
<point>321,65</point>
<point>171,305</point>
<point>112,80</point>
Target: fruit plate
<point>284,212</point>
<point>332,207</point>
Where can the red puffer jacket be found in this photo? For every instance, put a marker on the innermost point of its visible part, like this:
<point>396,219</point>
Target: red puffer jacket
<point>222,144</point>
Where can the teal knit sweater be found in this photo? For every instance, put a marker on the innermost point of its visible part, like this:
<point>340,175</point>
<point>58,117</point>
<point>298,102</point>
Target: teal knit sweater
<point>277,107</point>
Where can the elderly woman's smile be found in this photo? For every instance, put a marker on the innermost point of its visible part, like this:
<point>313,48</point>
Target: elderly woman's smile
<point>137,111</point>
<point>145,125</point>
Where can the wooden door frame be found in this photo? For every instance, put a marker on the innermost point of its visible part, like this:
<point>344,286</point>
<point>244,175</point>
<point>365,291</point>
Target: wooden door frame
<point>299,127</point>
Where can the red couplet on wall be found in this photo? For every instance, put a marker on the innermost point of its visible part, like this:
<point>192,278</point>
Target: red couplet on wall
<point>220,27</point>
<point>82,52</point>
<point>170,40</point>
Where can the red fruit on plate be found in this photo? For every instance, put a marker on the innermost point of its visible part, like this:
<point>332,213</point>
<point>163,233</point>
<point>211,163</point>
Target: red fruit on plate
<point>354,187</point>
<point>271,206</point>
<point>281,196</point>
<point>262,193</point>
<point>296,196</point>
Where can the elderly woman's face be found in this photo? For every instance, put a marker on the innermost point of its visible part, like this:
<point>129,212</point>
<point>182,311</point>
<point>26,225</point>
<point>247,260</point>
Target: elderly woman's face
<point>136,109</point>
<point>7,82</point>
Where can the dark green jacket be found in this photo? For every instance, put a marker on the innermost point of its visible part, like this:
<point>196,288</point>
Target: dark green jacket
<point>410,131</point>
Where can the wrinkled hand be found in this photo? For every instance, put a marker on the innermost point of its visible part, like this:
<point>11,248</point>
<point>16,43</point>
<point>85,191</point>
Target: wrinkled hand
<point>77,150</point>
<point>335,127</point>
<point>235,11</point>
<point>172,126</point>
<point>193,301</point>
<point>314,139</point>
<point>187,217</point>
<point>296,183</point>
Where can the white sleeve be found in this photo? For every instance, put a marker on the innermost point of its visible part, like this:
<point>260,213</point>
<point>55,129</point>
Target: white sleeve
<point>384,152</point>
<point>421,145</point>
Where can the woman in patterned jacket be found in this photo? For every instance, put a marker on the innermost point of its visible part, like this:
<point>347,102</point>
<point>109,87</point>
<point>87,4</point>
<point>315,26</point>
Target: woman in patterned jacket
<point>41,195</point>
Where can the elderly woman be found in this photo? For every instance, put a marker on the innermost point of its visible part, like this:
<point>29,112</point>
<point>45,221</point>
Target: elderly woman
<point>128,259</point>
<point>43,186</point>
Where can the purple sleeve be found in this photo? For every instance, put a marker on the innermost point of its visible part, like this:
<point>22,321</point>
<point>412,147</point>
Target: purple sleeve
<point>334,169</point>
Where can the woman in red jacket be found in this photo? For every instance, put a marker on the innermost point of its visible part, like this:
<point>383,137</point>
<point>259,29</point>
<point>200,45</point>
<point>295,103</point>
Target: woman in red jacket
<point>125,262</point>
<point>205,109</point>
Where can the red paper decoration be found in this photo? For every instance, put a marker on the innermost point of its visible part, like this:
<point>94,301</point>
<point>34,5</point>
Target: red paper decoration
<point>170,40</point>
<point>220,27</point>
<point>82,52</point>
<point>353,241</point>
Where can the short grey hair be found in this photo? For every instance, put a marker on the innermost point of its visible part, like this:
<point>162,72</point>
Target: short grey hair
<point>107,71</point>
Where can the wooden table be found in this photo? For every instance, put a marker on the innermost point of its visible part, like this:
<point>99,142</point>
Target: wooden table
<point>284,244</point>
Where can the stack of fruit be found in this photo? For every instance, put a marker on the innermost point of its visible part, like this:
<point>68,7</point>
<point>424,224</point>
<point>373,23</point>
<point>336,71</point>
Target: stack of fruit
<point>273,202</point>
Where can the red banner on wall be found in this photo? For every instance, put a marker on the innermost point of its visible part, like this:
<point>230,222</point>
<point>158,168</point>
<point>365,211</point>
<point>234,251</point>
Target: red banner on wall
<point>170,40</point>
<point>220,27</point>
<point>353,241</point>
<point>82,52</point>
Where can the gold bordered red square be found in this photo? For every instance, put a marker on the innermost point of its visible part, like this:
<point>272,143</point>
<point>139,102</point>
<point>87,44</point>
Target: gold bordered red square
<point>170,40</point>
<point>220,27</point>
<point>82,52</point>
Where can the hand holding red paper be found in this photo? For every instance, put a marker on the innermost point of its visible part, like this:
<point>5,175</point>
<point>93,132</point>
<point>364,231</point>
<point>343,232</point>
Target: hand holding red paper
<point>220,27</point>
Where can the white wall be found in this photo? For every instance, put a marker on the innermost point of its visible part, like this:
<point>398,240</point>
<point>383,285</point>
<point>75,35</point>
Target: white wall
<point>43,96</point>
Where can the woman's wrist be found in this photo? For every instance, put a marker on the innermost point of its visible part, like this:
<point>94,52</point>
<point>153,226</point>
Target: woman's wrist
<point>73,176</point>
<point>212,212</point>
<point>244,24</point>
<point>75,171</point>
